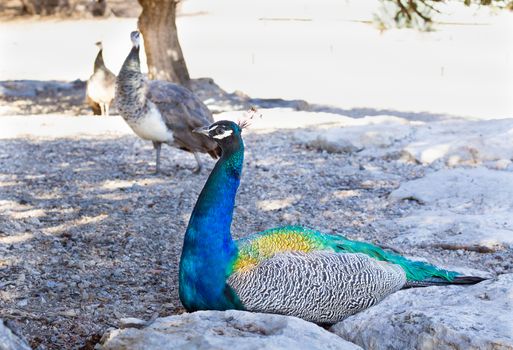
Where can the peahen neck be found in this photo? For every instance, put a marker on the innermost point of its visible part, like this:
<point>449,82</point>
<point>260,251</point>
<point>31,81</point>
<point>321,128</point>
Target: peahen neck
<point>209,250</point>
<point>131,87</point>
<point>98,62</point>
<point>132,62</point>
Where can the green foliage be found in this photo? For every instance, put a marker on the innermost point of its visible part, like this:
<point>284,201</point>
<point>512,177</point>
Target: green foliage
<point>418,13</point>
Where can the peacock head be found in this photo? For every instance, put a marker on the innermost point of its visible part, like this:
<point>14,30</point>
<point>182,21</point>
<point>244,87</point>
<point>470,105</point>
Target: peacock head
<point>135,36</point>
<point>227,134</point>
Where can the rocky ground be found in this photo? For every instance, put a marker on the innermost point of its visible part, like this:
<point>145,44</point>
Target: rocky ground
<point>88,235</point>
<point>224,330</point>
<point>43,97</point>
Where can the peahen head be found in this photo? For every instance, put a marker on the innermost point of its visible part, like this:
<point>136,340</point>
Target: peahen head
<point>227,134</point>
<point>135,36</point>
<point>99,45</point>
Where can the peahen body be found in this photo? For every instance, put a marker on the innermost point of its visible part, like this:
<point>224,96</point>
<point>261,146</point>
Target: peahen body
<point>161,111</point>
<point>289,270</point>
<point>100,86</point>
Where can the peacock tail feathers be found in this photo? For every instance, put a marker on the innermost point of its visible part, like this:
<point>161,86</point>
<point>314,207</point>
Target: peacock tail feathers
<point>264,245</point>
<point>415,270</point>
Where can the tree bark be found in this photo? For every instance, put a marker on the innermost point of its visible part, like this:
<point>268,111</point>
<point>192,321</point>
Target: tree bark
<point>163,52</point>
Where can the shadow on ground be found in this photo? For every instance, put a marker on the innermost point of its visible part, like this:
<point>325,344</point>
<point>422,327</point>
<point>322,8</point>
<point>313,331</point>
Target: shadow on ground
<point>26,97</point>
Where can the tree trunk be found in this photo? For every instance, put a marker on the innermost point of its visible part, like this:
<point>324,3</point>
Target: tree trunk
<point>163,51</point>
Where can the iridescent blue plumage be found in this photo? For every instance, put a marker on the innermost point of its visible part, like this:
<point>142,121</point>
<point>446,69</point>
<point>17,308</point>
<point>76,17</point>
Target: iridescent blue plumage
<point>209,250</point>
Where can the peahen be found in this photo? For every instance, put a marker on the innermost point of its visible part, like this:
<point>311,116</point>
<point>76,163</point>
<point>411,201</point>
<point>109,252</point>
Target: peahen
<point>290,270</point>
<point>161,111</point>
<point>100,86</point>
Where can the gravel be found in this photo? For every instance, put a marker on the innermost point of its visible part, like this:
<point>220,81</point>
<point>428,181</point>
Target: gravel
<point>26,97</point>
<point>88,235</point>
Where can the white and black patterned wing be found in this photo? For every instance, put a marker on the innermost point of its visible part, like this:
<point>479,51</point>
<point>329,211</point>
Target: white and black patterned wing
<point>322,287</point>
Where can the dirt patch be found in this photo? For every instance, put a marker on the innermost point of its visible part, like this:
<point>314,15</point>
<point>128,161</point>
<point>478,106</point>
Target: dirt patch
<point>26,97</point>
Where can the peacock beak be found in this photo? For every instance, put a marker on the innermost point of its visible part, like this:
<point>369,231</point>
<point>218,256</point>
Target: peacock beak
<point>202,130</point>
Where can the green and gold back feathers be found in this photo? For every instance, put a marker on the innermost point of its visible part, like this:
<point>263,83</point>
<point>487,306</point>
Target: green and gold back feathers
<point>256,248</point>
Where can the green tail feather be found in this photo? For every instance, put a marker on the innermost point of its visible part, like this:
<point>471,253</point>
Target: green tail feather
<point>415,270</point>
<point>437,281</point>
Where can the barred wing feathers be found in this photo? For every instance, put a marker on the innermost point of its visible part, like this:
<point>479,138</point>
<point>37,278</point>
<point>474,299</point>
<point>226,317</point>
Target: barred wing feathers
<point>319,286</point>
<point>183,112</point>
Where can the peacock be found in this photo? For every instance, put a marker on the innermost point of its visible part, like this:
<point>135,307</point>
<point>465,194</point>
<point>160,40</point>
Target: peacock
<point>289,270</point>
<point>101,85</point>
<point>161,111</point>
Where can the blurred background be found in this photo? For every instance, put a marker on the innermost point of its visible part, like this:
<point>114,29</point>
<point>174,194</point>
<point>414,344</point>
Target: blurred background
<point>347,54</point>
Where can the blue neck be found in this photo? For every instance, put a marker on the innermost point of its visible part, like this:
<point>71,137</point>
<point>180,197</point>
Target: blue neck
<point>208,251</point>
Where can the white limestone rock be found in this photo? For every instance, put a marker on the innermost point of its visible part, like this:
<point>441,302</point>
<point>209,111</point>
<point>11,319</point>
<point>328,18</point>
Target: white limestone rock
<point>355,135</point>
<point>470,208</point>
<point>226,330</point>
<point>442,318</point>
<point>9,341</point>
<point>464,142</point>
<point>449,142</point>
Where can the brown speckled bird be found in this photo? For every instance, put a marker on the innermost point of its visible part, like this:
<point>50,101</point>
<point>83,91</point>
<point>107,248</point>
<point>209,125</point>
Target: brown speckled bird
<point>161,111</point>
<point>100,86</point>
